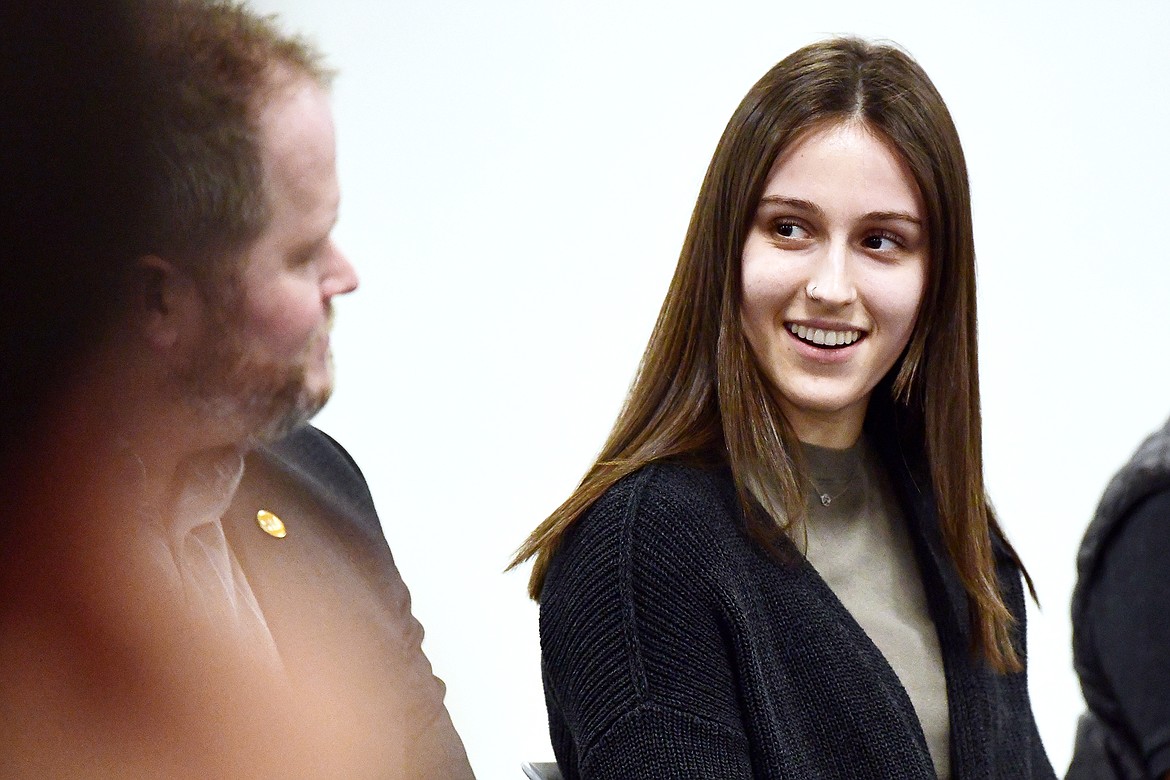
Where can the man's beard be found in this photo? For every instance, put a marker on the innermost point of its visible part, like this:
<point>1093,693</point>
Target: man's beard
<point>229,381</point>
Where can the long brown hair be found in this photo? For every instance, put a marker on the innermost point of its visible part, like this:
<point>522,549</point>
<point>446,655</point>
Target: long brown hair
<point>699,392</point>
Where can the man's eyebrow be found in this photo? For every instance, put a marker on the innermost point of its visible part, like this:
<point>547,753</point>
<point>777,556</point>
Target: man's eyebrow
<point>307,250</point>
<point>310,245</point>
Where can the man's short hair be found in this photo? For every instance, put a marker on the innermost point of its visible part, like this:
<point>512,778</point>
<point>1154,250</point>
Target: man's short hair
<point>213,64</point>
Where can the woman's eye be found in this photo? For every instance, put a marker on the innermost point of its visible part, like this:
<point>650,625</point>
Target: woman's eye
<point>790,230</point>
<point>879,241</point>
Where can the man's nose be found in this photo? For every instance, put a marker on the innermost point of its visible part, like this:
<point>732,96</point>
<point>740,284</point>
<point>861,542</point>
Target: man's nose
<point>340,277</point>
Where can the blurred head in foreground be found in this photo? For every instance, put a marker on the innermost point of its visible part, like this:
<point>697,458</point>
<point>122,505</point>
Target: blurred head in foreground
<point>170,190</point>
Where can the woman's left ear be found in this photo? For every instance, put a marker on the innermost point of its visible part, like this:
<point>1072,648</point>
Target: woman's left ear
<point>166,302</point>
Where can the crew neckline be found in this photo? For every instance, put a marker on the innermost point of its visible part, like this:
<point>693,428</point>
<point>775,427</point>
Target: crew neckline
<point>829,467</point>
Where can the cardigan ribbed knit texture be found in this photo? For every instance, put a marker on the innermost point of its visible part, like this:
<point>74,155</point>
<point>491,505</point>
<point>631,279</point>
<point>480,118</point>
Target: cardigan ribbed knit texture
<point>675,647</point>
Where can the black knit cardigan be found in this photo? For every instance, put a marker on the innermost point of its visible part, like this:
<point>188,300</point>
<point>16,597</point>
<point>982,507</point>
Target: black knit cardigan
<point>675,647</point>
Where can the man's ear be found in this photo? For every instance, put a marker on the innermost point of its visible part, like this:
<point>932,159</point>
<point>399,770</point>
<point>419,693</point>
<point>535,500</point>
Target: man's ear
<point>166,301</point>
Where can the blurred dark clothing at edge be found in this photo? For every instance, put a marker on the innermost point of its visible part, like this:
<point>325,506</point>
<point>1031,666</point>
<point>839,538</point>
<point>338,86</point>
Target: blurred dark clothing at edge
<point>1120,624</point>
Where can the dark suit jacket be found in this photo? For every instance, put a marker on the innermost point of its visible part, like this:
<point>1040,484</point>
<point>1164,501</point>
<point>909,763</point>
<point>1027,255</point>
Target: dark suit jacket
<point>337,607</point>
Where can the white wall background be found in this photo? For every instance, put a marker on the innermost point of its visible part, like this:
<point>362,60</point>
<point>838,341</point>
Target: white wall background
<point>517,178</point>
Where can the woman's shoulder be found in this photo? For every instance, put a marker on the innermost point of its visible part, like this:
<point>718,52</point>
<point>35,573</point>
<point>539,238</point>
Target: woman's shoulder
<point>677,496</point>
<point>632,608</point>
<point>664,516</point>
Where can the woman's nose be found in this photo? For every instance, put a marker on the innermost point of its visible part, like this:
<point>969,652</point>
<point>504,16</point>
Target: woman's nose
<point>830,281</point>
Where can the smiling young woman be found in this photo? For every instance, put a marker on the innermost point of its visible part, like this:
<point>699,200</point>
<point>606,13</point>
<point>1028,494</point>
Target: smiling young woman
<point>833,270</point>
<point>783,563</point>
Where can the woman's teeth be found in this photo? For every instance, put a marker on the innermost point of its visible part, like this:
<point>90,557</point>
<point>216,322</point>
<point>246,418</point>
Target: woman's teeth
<point>825,338</point>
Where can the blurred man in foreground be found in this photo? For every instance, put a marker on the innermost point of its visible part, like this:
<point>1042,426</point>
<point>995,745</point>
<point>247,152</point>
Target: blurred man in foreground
<point>194,582</point>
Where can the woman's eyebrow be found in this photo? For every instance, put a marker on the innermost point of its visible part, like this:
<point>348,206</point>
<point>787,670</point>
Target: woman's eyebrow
<point>792,203</point>
<point>889,216</point>
<point>799,204</point>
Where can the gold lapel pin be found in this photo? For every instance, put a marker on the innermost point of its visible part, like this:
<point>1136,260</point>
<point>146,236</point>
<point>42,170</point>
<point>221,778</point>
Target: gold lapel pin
<point>272,525</point>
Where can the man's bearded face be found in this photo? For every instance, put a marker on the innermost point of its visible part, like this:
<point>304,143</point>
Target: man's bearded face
<point>235,380</point>
<point>264,365</point>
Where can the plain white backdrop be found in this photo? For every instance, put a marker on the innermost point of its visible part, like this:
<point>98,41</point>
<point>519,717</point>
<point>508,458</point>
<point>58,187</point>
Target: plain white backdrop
<point>517,177</point>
